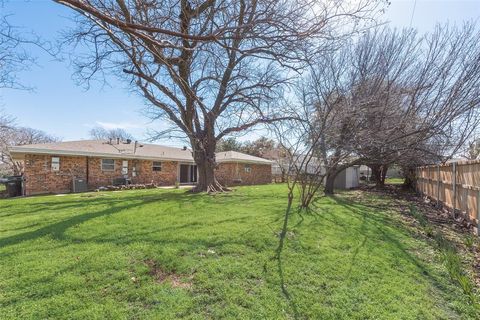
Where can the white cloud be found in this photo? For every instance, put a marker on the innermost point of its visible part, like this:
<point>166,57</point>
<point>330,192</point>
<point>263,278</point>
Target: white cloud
<point>119,125</point>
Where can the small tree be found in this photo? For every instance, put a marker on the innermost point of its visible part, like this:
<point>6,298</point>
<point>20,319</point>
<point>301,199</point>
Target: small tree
<point>301,138</point>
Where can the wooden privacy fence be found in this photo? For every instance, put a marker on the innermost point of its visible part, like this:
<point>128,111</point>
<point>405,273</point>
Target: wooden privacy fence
<point>455,185</point>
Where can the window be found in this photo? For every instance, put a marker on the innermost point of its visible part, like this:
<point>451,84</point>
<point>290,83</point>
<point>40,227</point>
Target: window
<point>55,164</point>
<point>248,168</point>
<point>156,166</point>
<point>108,165</point>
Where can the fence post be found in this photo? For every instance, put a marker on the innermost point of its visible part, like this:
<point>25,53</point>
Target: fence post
<point>421,185</point>
<point>454,173</point>
<point>438,186</point>
<point>478,212</point>
<point>431,182</point>
<point>417,180</point>
<point>420,181</point>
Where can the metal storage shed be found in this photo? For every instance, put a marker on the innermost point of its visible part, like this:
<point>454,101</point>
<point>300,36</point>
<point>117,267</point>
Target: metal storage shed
<point>348,178</point>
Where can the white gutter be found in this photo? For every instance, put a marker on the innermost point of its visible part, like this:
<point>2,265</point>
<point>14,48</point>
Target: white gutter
<point>245,161</point>
<point>19,150</point>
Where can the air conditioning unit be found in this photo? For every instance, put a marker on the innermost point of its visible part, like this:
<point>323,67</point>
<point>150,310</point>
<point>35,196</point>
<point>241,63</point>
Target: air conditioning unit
<point>80,185</point>
<point>119,181</point>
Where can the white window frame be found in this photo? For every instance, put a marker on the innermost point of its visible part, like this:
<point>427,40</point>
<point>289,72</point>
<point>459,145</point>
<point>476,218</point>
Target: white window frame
<point>248,168</point>
<point>55,165</point>
<point>104,169</point>
<point>158,165</point>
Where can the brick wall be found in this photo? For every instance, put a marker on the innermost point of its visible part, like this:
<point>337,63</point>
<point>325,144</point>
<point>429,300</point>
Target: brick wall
<point>235,174</point>
<point>145,174</point>
<point>97,177</point>
<point>40,178</point>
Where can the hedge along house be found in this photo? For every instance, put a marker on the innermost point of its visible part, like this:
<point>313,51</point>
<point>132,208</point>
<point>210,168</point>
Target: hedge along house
<point>53,167</point>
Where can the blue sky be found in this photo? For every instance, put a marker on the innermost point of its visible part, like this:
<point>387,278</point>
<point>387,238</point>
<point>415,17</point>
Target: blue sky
<point>59,106</point>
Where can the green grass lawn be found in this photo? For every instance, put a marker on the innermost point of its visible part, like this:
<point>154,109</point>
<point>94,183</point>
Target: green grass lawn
<point>394,181</point>
<point>167,254</point>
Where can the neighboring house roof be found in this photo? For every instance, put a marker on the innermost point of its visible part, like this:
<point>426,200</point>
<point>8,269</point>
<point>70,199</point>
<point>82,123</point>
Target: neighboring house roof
<point>96,148</point>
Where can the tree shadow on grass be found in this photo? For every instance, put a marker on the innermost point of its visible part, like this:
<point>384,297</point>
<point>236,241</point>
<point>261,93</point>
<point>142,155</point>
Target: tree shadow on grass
<point>87,209</point>
<point>115,205</point>
<point>71,201</point>
<point>278,257</point>
<point>379,221</point>
<point>58,228</point>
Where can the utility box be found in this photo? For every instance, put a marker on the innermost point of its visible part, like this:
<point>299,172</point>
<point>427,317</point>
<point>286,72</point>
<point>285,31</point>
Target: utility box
<point>80,185</point>
<point>14,186</point>
<point>119,181</point>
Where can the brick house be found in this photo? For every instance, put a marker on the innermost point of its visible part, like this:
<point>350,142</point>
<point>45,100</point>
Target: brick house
<point>52,167</point>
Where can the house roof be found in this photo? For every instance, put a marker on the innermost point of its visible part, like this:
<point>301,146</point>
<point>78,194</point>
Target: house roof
<point>97,148</point>
<point>234,156</point>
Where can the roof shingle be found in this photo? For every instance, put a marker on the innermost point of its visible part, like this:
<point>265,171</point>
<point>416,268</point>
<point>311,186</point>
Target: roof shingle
<point>126,150</point>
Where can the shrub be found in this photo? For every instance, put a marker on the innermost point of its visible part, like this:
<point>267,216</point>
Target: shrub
<point>469,241</point>
<point>418,215</point>
<point>429,231</point>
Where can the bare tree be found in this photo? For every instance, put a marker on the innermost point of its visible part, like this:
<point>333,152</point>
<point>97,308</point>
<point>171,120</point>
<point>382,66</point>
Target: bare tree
<point>391,96</point>
<point>6,124</point>
<point>300,138</point>
<point>229,144</point>
<point>472,149</point>
<point>99,133</point>
<point>6,121</point>
<point>14,51</point>
<point>13,57</point>
<point>260,147</point>
<point>14,136</point>
<point>210,68</point>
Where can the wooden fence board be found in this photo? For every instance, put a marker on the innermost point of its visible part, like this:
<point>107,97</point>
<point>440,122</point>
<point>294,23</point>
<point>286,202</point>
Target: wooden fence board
<point>455,185</point>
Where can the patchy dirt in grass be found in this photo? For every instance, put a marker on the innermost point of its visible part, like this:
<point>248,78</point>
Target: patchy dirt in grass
<point>162,276</point>
<point>459,231</point>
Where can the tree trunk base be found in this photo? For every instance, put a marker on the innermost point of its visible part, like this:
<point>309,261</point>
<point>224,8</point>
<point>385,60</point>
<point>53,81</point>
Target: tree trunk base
<point>212,188</point>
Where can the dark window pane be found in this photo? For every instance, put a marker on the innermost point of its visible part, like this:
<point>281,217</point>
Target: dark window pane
<point>156,166</point>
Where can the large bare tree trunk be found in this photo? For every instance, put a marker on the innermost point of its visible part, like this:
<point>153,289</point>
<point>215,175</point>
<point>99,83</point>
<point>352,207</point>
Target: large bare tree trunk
<point>206,177</point>
<point>330,182</point>
<point>410,178</point>
<point>383,175</point>
<point>379,173</point>
<point>204,157</point>
<point>375,176</point>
